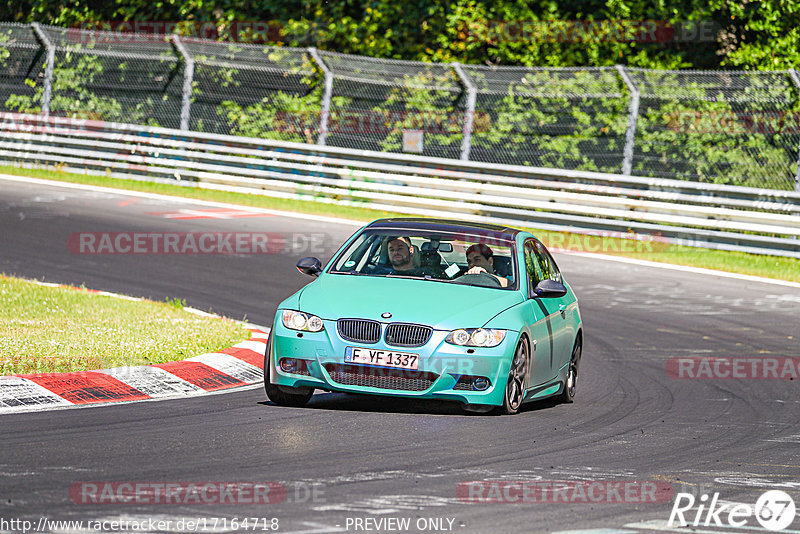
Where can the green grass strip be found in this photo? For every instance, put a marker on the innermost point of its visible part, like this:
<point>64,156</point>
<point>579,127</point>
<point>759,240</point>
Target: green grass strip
<point>59,329</point>
<point>736,262</point>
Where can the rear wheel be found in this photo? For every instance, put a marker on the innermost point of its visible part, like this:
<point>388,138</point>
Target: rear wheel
<point>571,383</point>
<point>515,386</point>
<point>283,395</point>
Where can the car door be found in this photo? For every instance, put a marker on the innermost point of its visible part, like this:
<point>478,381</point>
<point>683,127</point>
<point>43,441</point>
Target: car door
<point>537,314</point>
<point>562,334</point>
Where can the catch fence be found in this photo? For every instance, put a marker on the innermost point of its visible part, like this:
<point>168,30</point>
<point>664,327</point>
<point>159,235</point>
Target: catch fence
<point>737,128</point>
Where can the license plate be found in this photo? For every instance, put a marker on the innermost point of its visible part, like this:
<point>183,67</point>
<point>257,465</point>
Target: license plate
<point>383,358</point>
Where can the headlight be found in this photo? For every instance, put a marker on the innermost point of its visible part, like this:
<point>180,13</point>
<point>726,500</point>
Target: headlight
<point>296,320</point>
<point>476,337</point>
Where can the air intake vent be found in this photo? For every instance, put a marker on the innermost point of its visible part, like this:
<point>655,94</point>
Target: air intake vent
<point>399,379</point>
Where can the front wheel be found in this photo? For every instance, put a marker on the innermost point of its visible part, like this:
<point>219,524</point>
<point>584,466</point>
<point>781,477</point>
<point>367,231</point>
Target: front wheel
<point>571,384</point>
<point>515,386</point>
<point>283,395</point>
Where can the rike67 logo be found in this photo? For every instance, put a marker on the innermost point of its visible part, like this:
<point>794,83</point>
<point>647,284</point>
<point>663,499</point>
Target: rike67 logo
<point>774,510</point>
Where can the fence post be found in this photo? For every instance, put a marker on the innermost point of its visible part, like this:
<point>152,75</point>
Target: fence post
<point>48,71</point>
<point>188,78</point>
<point>633,115</point>
<point>469,113</point>
<point>325,109</point>
<point>796,79</point>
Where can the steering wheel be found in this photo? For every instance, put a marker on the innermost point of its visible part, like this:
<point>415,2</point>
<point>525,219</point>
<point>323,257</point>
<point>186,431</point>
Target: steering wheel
<point>479,279</point>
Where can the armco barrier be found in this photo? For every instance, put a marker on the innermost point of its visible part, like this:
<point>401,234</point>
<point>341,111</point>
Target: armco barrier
<point>762,221</point>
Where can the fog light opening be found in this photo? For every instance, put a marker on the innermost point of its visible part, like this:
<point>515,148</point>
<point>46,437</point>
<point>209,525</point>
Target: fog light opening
<point>288,365</point>
<point>480,383</point>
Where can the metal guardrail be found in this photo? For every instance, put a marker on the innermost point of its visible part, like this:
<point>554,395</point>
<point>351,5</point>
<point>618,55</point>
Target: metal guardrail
<point>762,221</point>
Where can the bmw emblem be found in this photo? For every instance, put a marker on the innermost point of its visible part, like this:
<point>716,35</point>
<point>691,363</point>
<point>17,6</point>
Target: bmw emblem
<point>386,315</point>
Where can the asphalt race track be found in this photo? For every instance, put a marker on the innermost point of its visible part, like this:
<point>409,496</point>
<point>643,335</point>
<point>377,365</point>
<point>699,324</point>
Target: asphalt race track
<point>357,463</point>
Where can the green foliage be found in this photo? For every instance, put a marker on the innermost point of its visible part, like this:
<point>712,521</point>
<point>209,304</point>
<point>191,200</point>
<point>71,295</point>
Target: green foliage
<point>176,303</point>
<point>421,108</point>
<point>763,34</point>
<point>284,116</point>
<point>5,53</point>
<point>73,94</point>
<point>571,121</point>
<point>712,144</point>
<point>275,113</point>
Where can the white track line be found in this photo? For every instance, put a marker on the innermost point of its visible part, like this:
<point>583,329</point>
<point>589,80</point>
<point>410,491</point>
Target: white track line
<point>157,196</point>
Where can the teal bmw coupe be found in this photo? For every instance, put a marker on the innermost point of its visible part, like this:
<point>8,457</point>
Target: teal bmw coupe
<point>427,308</point>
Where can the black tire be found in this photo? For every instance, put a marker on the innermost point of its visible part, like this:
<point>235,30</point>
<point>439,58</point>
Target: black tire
<point>517,374</point>
<point>567,395</point>
<point>283,395</point>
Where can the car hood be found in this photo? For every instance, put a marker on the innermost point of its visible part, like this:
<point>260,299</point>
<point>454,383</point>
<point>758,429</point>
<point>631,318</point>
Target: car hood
<point>442,305</point>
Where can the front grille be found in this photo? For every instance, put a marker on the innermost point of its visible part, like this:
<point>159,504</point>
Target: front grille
<point>399,379</point>
<point>359,330</point>
<point>407,335</point>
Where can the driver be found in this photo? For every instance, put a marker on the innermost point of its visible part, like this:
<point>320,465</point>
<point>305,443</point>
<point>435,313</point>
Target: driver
<point>480,259</point>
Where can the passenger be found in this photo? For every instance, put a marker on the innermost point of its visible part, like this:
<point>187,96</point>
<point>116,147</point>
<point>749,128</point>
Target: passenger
<point>480,259</point>
<point>403,257</point>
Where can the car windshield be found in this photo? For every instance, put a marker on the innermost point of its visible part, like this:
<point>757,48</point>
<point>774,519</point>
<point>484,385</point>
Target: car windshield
<point>461,258</point>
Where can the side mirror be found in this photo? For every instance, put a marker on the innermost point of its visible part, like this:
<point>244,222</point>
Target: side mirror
<point>310,266</point>
<point>549,289</point>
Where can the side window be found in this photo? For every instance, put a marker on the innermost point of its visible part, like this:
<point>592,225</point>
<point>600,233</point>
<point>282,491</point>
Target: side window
<point>548,264</point>
<point>532,264</point>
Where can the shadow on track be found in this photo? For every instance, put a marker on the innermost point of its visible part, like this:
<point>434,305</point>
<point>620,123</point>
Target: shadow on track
<point>354,402</point>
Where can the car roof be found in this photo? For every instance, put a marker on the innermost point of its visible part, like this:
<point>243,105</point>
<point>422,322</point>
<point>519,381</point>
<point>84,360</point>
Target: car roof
<point>444,225</point>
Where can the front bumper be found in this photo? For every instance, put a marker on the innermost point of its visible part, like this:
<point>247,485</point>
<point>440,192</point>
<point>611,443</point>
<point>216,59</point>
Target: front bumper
<point>443,371</point>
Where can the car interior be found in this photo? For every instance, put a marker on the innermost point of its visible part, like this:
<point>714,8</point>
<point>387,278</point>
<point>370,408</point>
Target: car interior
<point>435,255</point>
